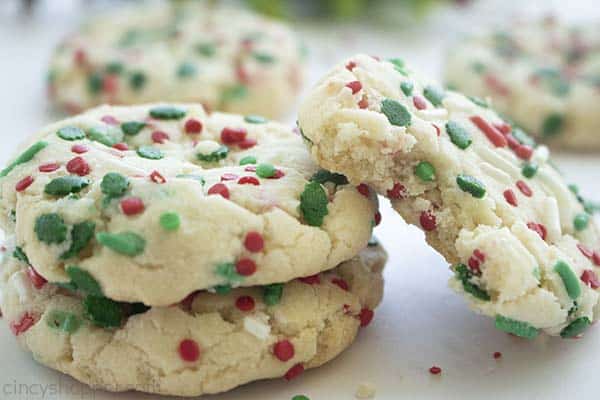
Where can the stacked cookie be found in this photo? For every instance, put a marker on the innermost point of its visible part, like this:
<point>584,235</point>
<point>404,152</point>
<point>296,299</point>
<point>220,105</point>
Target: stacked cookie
<point>161,249</point>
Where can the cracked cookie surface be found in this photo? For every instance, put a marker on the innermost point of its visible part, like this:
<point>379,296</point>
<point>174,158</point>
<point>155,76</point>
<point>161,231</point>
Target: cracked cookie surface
<point>525,246</point>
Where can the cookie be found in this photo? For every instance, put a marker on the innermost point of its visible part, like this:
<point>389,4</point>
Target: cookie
<point>524,246</point>
<point>545,76</point>
<point>157,201</point>
<point>223,57</point>
<point>209,343</point>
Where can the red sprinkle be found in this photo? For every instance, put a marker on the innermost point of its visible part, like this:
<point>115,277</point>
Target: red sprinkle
<point>479,255</point>
<point>121,146</point>
<point>228,177</point>
<point>248,180</point>
<point>341,283</point>
<point>21,326</point>
<point>428,221</point>
<point>497,355</point>
<point>79,57</point>
<point>503,127</point>
<point>79,149</point>
<point>193,126</point>
<point>159,137</point>
<point>233,135</point>
<point>585,251</point>
<point>186,303</point>
<point>511,197</point>
<point>351,65</point>
<point>189,350</point>
<point>294,372</point>
<point>132,205</point>
<point>596,258</point>
<point>363,189</point>
<point>283,350</point>
<point>363,103</point>
<point>245,267</point>
<point>397,192</point>
<point>437,129</point>
<point>590,278</point>
<point>24,183</point>
<point>36,279</point>
<point>78,166</point>
<point>377,218</point>
<point>50,167</point>
<point>524,188</point>
<point>435,370</point>
<point>538,228</point>
<point>219,188</point>
<point>250,168</point>
<point>245,303</point>
<point>493,83</point>
<point>311,280</point>
<point>254,242</point>
<point>355,86</point>
<point>493,134</point>
<point>278,174</point>
<point>419,102</point>
<point>156,177</point>
<point>110,84</point>
<point>247,143</point>
<point>475,265</point>
<point>513,143</point>
<point>365,317</point>
<point>109,119</point>
<point>524,152</point>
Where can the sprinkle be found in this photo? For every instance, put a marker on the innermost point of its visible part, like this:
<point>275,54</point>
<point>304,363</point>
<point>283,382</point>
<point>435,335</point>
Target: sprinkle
<point>396,192</point>
<point>300,397</point>
<point>590,278</point>
<point>50,167</point>
<point>524,188</point>
<point>220,189</point>
<point>354,86</point>
<point>511,198</point>
<point>63,320</point>
<point>78,166</point>
<point>159,137</point>
<point>552,125</point>
<point>126,243</point>
<point>341,283</point>
<point>428,221</point>
<point>497,355</point>
<point>311,280</point>
<point>351,65</point>
<point>363,103</point>
<point>366,316</point>
<point>581,221</point>
<point>229,177</point>
<point>65,185</point>
<point>170,221</point>
<point>377,218</point>
<point>363,189</point>
<point>419,103</point>
<point>70,133</point>
<point>395,112</point>
<point>247,143</point>
<point>493,134</point>
<point>248,180</point>
<point>425,171</point>
<point>193,126</point>
<point>435,370</point>
<point>495,85</point>
<point>458,135</point>
<point>219,154</point>
<point>272,294</point>
<point>167,113</point>
<point>149,152</point>
<point>517,328</point>
<point>24,183</point>
<point>248,160</point>
<point>22,325</point>
<point>50,229</point>
<point>434,94</point>
<point>538,228</point>
<point>36,279</point>
<point>189,350</point>
<point>103,312</point>
<point>233,135</point>
<point>569,279</point>
<point>107,135</point>
<point>245,267</point>
<point>254,242</point>
<point>84,281</point>
<point>283,350</point>
<point>245,303</point>
<point>121,146</point>
<point>132,128</point>
<point>524,152</point>
<point>294,372</point>
<point>576,328</point>
<point>464,275</point>
<point>265,170</point>
<point>255,119</point>
<point>156,177</point>
<point>137,81</point>
<point>79,149</point>
<point>114,184</point>
<point>132,206</point>
<point>313,204</point>
<point>25,157</point>
<point>529,170</point>
<point>407,88</point>
<point>471,185</point>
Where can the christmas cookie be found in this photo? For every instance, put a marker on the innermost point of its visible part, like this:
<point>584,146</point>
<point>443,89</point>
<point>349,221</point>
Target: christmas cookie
<point>209,343</point>
<point>544,76</point>
<point>157,201</point>
<point>228,59</point>
<point>524,246</point>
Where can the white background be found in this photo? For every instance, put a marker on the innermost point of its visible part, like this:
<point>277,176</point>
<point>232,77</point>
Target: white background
<point>421,322</point>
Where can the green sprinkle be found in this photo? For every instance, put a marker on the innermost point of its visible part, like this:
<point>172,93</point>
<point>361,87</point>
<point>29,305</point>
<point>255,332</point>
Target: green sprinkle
<point>114,67</point>
<point>518,328</point>
<point>26,156</point>
<point>167,112</point>
<point>94,83</point>
<point>132,128</point>
<point>81,234</point>
<point>478,101</point>
<point>65,185</point>
<point>135,308</point>
<point>107,135</point>
<point>575,328</point>
<point>126,243</point>
<point>228,272</point>
<point>573,188</point>
<point>399,65</point>
<point>235,92</point>
<point>170,221</point>
<point>265,170</point>
<point>464,275</point>
<point>63,320</point>
<point>272,294</point>
<point>537,273</point>
<point>71,133</point>
<point>373,241</point>
<point>552,125</point>
<point>313,204</point>
<point>248,160</point>
<point>84,281</point>
<point>114,184</point>
<point>581,221</point>
<point>137,80</point>
<point>407,88</point>
<point>471,185</point>
<point>522,137</point>
<point>186,70</point>
<point>255,119</point>
<point>206,49</point>
<point>215,156</point>
<point>395,112</point>
<point>323,176</point>
<point>222,289</point>
<point>300,397</point>
<point>434,94</point>
<point>458,135</point>
<point>50,228</point>
<point>569,279</point>
<point>425,171</point>
<point>103,312</point>
<point>478,67</point>
<point>529,170</point>
<point>20,255</point>
<point>263,58</point>
<point>197,178</point>
<point>150,152</point>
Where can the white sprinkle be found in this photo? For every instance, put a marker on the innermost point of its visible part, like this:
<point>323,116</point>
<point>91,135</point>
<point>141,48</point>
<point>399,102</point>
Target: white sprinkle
<point>22,285</point>
<point>258,325</point>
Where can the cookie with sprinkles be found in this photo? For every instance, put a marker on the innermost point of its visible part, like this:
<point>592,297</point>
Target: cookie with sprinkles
<point>208,343</point>
<point>142,196</point>
<point>226,58</point>
<point>524,246</point>
<point>545,76</point>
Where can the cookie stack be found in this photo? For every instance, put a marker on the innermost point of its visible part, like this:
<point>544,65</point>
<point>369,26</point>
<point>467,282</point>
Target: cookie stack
<point>162,249</point>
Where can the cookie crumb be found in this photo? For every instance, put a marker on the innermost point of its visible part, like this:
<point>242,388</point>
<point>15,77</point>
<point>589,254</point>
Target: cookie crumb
<point>365,391</point>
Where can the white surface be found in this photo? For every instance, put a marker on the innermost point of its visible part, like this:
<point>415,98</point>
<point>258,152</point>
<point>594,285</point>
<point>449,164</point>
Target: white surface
<point>421,322</point>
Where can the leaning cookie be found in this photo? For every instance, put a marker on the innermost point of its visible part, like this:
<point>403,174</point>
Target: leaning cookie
<point>525,248</point>
<point>209,343</point>
<point>225,58</point>
<point>545,76</point>
<point>158,201</point>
